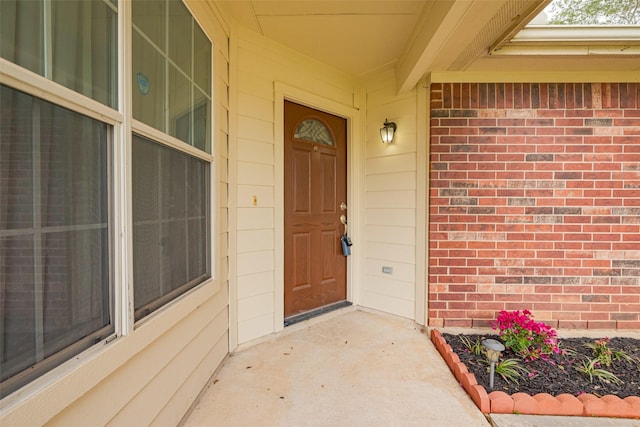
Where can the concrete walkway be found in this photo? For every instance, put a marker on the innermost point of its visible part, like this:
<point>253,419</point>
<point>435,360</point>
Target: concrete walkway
<point>347,368</point>
<point>350,368</point>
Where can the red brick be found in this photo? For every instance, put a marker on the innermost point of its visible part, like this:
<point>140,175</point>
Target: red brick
<point>561,246</point>
<point>481,323</point>
<point>601,324</point>
<point>575,307</point>
<point>627,325</point>
<point>564,316</point>
<point>572,324</point>
<point>625,317</point>
<point>625,298</point>
<point>632,308</point>
<point>463,323</point>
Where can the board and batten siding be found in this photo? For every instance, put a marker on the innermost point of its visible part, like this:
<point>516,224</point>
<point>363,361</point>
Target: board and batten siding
<point>154,374</point>
<point>391,194</point>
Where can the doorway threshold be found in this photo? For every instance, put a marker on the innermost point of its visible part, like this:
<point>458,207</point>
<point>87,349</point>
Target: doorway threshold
<point>315,312</point>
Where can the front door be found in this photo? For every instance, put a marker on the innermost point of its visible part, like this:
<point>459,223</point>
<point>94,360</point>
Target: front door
<point>315,190</point>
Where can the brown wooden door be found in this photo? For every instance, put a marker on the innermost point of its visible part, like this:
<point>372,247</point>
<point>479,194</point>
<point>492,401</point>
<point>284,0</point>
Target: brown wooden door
<point>315,162</point>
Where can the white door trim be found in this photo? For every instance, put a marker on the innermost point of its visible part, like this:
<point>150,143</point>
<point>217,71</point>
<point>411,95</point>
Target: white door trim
<point>283,91</point>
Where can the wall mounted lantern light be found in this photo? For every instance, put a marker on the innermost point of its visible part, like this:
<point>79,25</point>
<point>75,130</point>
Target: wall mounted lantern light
<point>387,131</point>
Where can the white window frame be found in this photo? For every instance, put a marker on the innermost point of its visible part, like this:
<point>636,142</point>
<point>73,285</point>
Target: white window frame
<point>164,139</point>
<point>121,128</point>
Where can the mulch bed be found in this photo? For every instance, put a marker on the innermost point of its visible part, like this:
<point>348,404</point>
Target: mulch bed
<point>558,374</point>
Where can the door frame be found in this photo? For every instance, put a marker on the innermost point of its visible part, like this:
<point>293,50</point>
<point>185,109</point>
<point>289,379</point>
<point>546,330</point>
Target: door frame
<point>355,197</point>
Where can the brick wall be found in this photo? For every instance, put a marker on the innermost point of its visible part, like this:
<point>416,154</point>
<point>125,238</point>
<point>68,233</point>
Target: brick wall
<point>535,203</point>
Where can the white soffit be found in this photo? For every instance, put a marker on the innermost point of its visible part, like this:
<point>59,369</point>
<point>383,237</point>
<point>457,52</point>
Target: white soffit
<point>358,37</point>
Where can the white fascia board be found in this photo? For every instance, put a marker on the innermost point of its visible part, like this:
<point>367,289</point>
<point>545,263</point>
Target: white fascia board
<point>578,33</point>
<point>577,40</point>
<point>568,50</point>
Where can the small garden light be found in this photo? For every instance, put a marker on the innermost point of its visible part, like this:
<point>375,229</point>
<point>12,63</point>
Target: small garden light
<point>493,350</point>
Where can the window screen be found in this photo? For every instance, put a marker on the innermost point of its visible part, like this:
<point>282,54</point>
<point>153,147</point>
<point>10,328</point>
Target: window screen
<point>54,236</point>
<point>170,223</point>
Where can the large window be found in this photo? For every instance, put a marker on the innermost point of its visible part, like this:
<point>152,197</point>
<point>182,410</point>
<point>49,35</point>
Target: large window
<point>64,168</point>
<point>172,93</point>
<point>54,235</point>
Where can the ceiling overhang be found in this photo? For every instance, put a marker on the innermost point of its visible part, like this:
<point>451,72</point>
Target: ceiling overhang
<point>418,37</point>
<point>452,34</point>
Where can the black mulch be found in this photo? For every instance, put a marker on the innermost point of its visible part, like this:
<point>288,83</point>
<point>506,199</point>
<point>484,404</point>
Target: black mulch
<point>558,375</point>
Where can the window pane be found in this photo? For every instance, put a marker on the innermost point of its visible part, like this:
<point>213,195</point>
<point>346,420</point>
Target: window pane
<point>21,34</point>
<point>148,97</point>
<point>170,224</point>
<point>54,264</point>
<point>202,60</point>
<point>202,121</point>
<point>16,160</point>
<point>197,212</point>
<point>180,116</point>
<point>149,17</point>
<point>180,36</point>
<point>79,51</point>
<point>84,48</point>
<point>172,84</point>
<point>70,145</point>
<point>75,302</point>
<point>18,341</point>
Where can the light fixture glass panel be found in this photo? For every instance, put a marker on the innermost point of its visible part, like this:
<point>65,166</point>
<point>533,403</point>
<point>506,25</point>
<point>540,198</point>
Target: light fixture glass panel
<point>387,132</point>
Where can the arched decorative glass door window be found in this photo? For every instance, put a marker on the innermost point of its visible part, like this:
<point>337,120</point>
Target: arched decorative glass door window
<point>314,130</point>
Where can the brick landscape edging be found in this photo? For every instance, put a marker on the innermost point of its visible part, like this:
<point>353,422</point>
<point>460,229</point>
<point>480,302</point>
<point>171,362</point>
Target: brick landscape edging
<point>498,402</point>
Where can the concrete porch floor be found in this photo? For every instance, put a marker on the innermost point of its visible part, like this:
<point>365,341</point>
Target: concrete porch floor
<point>346,368</point>
<point>351,367</point>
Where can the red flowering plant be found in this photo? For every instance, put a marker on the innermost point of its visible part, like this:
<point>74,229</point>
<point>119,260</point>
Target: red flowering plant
<point>529,339</point>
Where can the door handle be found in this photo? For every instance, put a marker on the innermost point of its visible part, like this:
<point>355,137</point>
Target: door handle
<point>343,220</point>
<point>343,206</point>
<point>345,240</point>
